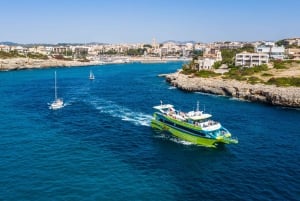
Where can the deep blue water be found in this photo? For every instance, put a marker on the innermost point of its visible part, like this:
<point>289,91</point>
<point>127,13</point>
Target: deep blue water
<point>100,146</point>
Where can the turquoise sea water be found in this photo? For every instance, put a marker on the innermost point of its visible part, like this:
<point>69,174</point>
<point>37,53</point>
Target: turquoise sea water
<point>100,146</point>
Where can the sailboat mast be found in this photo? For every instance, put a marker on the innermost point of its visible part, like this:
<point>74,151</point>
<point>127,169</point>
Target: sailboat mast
<point>55,85</point>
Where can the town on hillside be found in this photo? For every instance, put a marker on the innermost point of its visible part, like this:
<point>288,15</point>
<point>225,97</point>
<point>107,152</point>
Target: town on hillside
<point>205,56</point>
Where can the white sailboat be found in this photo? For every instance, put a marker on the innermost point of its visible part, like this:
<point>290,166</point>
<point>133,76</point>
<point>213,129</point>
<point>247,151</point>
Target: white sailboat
<point>92,76</point>
<point>58,102</point>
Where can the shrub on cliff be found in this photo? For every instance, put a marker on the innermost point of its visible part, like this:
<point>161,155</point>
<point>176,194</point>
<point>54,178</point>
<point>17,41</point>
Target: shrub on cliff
<point>266,74</point>
<point>206,74</point>
<point>285,81</point>
<point>11,54</point>
<point>278,64</point>
<point>188,71</point>
<point>37,56</point>
<point>254,80</point>
<point>239,72</point>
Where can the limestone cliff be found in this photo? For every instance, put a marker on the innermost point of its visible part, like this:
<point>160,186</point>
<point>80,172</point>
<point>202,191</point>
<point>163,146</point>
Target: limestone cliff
<point>282,96</point>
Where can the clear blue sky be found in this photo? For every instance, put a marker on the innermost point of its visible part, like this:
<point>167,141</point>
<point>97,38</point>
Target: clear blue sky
<point>120,21</point>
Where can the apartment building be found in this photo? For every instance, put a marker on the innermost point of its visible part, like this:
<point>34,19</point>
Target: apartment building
<point>251,59</point>
<point>274,52</point>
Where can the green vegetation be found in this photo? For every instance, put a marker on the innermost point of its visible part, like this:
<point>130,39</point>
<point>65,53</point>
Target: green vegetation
<point>217,64</point>
<point>110,52</point>
<point>240,73</point>
<point>206,74</point>
<point>201,73</point>
<point>11,54</point>
<point>228,55</point>
<point>266,75</point>
<point>280,43</point>
<point>188,69</point>
<point>37,56</point>
<point>136,52</point>
<point>285,81</point>
<point>279,64</point>
<point>196,54</point>
<point>147,45</point>
<point>254,80</point>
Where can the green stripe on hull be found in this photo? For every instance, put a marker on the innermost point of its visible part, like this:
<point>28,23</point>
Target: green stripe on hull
<point>185,136</point>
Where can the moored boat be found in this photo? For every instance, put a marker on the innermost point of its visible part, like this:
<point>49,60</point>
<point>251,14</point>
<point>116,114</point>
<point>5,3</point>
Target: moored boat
<point>196,127</point>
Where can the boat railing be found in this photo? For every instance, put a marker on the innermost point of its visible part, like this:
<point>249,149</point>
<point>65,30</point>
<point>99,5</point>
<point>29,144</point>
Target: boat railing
<point>208,123</point>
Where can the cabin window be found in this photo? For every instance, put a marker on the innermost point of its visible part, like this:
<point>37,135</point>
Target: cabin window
<point>189,130</point>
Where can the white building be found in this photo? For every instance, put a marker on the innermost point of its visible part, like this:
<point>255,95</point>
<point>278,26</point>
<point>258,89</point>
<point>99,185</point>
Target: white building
<point>251,59</point>
<point>205,63</point>
<point>210,56</point>
<point>274,52</point>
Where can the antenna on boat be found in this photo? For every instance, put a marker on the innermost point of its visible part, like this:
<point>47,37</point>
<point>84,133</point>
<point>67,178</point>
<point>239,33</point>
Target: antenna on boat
<point>204,109</point>
<point>161,102</point>
<point>197,106</point>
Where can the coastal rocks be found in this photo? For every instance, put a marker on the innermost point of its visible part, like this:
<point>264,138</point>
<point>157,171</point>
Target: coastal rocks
<point>281,96</point>
<point>27,63</point>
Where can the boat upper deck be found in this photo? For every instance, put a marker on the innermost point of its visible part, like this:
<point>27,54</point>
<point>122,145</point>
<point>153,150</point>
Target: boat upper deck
<point>195,118</point>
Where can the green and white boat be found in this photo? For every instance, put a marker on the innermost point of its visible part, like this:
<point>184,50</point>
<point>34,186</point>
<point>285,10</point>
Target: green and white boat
<point>196,127</point>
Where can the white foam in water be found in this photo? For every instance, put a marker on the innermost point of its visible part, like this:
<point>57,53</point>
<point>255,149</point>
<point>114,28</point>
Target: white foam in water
<point>173,139</point>
<point>238,99</point>
<point>172,88</point>
<point>123,113</point>
<point>67,104</point>
<point>207,94</point>
<point>181,141</point>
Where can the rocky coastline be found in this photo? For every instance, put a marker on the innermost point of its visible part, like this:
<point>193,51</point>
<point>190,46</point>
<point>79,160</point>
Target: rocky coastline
<point>270,94</point>
<point>25,63</point>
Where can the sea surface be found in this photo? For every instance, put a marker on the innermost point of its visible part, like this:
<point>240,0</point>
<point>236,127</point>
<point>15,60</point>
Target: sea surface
<point>100,145</point>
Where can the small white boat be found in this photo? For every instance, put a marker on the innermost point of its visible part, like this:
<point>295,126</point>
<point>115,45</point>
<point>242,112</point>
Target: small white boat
<point>92,76</point>
<point>58,102</point>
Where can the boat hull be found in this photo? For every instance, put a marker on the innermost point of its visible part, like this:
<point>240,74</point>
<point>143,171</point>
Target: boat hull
<point>185,135</point>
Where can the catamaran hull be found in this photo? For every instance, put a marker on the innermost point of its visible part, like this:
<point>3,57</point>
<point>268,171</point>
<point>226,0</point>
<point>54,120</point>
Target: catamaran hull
<point>184,135</point>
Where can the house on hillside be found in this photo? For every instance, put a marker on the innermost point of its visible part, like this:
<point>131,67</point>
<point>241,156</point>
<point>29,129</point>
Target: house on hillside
<point>210,56</point>
<point>247,59</point>
<point>274,52</point>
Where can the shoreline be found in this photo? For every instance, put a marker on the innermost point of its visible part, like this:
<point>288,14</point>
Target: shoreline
<point>26,63</point>
<point>270,94</point>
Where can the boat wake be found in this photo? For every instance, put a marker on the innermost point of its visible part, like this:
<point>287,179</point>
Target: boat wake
<point>172,87</point>
<point>125,114</point>
<point>166,136</point>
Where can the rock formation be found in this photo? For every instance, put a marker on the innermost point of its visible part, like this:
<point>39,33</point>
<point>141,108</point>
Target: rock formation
<point>25,63</point>
<point>282,96</point>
